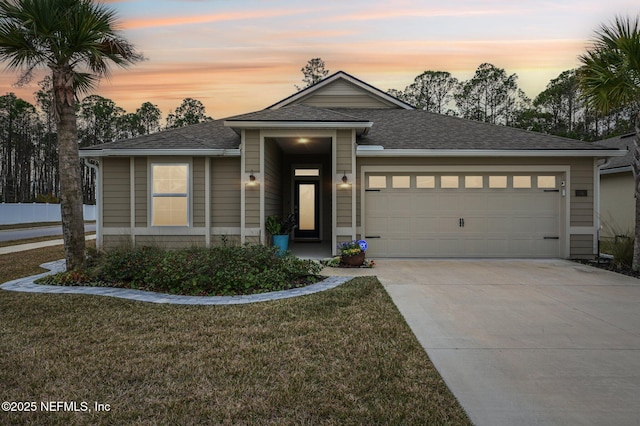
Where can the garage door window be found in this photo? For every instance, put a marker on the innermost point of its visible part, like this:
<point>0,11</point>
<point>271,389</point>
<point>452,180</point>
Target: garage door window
<point>377,182</point>
<point>473,182</point>
<point>448,182</point>
<point>546,181</point>
<point>497,182</point>
<point>522,181</point>
<point>400,182</point>
<point>425,181</point>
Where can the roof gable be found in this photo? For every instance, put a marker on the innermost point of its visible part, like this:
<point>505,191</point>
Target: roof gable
<point>342,90</point>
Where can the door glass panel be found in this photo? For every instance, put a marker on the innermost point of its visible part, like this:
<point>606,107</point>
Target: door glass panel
<point>449,181</point>
<point>473,182</point>
<point>400,182</point>
<point>377,181</point>
<point>546,181</point>
<point>307,172</point>
<point>522,181</point>
<point>425,181</point>
<point>497,181</point>
<point>307,206</point>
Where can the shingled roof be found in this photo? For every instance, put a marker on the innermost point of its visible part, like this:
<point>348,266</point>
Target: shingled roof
<point>392,129</point>
<point>297,113</point>
<point>208,135</point>
<point>619,142</point>
<point>419,129</point>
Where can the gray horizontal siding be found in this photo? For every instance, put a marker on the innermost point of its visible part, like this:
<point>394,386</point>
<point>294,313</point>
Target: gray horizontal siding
<point>116,192</point>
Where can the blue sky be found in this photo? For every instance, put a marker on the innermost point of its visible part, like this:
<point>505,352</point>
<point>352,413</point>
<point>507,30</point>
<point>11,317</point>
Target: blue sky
<point>239,56</point>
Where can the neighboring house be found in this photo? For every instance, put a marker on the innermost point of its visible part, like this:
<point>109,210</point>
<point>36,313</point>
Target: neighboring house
<point>617,199</point>
<point>353,162</point>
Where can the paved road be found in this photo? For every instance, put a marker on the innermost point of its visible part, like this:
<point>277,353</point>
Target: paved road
<point>45,231</point>
<point>539,342</point>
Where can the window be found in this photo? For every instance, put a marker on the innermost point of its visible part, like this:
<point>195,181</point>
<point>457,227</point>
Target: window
<point>425,181</point>
<point>400,182</point>
<point>307,172</point>
<point>169,194</point>
<point>449,182</point>
<point>497,181</point>
<point>473,182</point>
<point>546,181</point>
<point>377,182</point>
<point>522,181</point>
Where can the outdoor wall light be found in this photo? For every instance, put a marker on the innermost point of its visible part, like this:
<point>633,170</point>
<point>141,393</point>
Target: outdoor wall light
<point>252,179</point>
<point>345,181</point>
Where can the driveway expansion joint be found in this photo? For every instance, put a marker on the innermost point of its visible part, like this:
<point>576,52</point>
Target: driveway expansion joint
<point>27,285</point>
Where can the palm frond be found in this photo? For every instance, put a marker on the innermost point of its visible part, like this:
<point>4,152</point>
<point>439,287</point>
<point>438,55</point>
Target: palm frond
<point>610,72</point>
<point>54,33</point>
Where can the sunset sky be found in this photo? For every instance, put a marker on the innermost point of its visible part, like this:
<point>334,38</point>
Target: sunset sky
<point>243,55</point>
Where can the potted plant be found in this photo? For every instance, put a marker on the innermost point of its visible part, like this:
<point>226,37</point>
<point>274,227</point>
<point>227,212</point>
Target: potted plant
<point>352,253</point>
<point>280,230</point>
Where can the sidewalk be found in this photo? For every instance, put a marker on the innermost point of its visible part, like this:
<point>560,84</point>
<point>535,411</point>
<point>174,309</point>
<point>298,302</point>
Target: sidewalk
<point>40,244</point>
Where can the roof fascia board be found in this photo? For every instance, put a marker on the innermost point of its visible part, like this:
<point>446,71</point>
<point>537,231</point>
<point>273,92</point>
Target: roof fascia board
<point>488,153</point>
<point>159,152</point>
<point>340,75</point>
<point>298,124</point>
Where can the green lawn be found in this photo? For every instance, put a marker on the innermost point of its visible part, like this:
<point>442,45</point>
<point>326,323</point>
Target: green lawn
<point>344,356</point>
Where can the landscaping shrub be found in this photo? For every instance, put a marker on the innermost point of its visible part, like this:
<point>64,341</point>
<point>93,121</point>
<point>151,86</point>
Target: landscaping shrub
<point>621,248</point>
<point>128,265</point>
<point>200,271</point>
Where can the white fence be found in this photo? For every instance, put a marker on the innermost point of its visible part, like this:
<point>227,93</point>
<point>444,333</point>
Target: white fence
<point>12,213</point>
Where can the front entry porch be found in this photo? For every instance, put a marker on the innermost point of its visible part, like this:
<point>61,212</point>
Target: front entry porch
<point>305,172</point>
<point>311,250</point>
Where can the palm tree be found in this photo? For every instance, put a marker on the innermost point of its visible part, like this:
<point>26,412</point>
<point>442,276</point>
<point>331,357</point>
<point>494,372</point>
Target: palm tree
<point>610,78</point>
<point>67,37</point>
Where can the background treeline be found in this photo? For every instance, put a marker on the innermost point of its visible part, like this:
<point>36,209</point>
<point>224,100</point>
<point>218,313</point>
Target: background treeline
<point>493,96</point>
<point>28,144</point>
<point>28,141</point>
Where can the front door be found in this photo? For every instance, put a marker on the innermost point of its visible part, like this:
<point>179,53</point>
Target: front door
<point>307,203</point>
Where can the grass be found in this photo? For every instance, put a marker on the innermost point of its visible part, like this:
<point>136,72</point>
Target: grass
<point>35,240</point>
<point>25,263</point>
<point>34,225</point>
<point>345,356</point>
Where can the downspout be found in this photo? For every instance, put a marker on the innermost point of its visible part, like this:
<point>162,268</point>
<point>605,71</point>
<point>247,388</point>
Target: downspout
<point>94,165</point>
<point>605,162</point>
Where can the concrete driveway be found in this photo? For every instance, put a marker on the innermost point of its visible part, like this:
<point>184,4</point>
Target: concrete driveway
<point>526,342</point>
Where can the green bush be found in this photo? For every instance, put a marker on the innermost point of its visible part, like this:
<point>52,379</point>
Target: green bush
<point>128,265</point>
<point>226,270</point>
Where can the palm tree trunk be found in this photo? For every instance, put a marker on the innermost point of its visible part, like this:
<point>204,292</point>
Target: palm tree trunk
<point>69,167</point>
<point>636,175</point>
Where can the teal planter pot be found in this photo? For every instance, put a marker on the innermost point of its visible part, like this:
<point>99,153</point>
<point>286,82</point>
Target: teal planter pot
<point>282,242</point>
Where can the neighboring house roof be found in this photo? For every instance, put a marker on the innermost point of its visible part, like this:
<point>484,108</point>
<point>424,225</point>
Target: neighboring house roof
<point>619,164</point>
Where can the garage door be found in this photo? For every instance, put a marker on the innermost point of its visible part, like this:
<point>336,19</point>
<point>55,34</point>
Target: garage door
<point>463,215</point>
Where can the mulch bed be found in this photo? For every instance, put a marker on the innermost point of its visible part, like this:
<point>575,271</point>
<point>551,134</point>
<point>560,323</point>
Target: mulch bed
<point>609,266</point>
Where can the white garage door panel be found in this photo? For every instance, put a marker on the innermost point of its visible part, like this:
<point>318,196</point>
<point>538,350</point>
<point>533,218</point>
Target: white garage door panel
<point>420,222</point>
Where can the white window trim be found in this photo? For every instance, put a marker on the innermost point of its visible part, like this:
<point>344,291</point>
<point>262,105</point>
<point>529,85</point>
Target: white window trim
<point>188,194</point>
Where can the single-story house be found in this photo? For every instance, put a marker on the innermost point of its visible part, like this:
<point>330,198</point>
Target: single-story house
<point>353,162</point>
<point>617,189</point>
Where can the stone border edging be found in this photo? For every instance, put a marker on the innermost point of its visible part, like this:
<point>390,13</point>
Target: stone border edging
<point>27,285</point>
